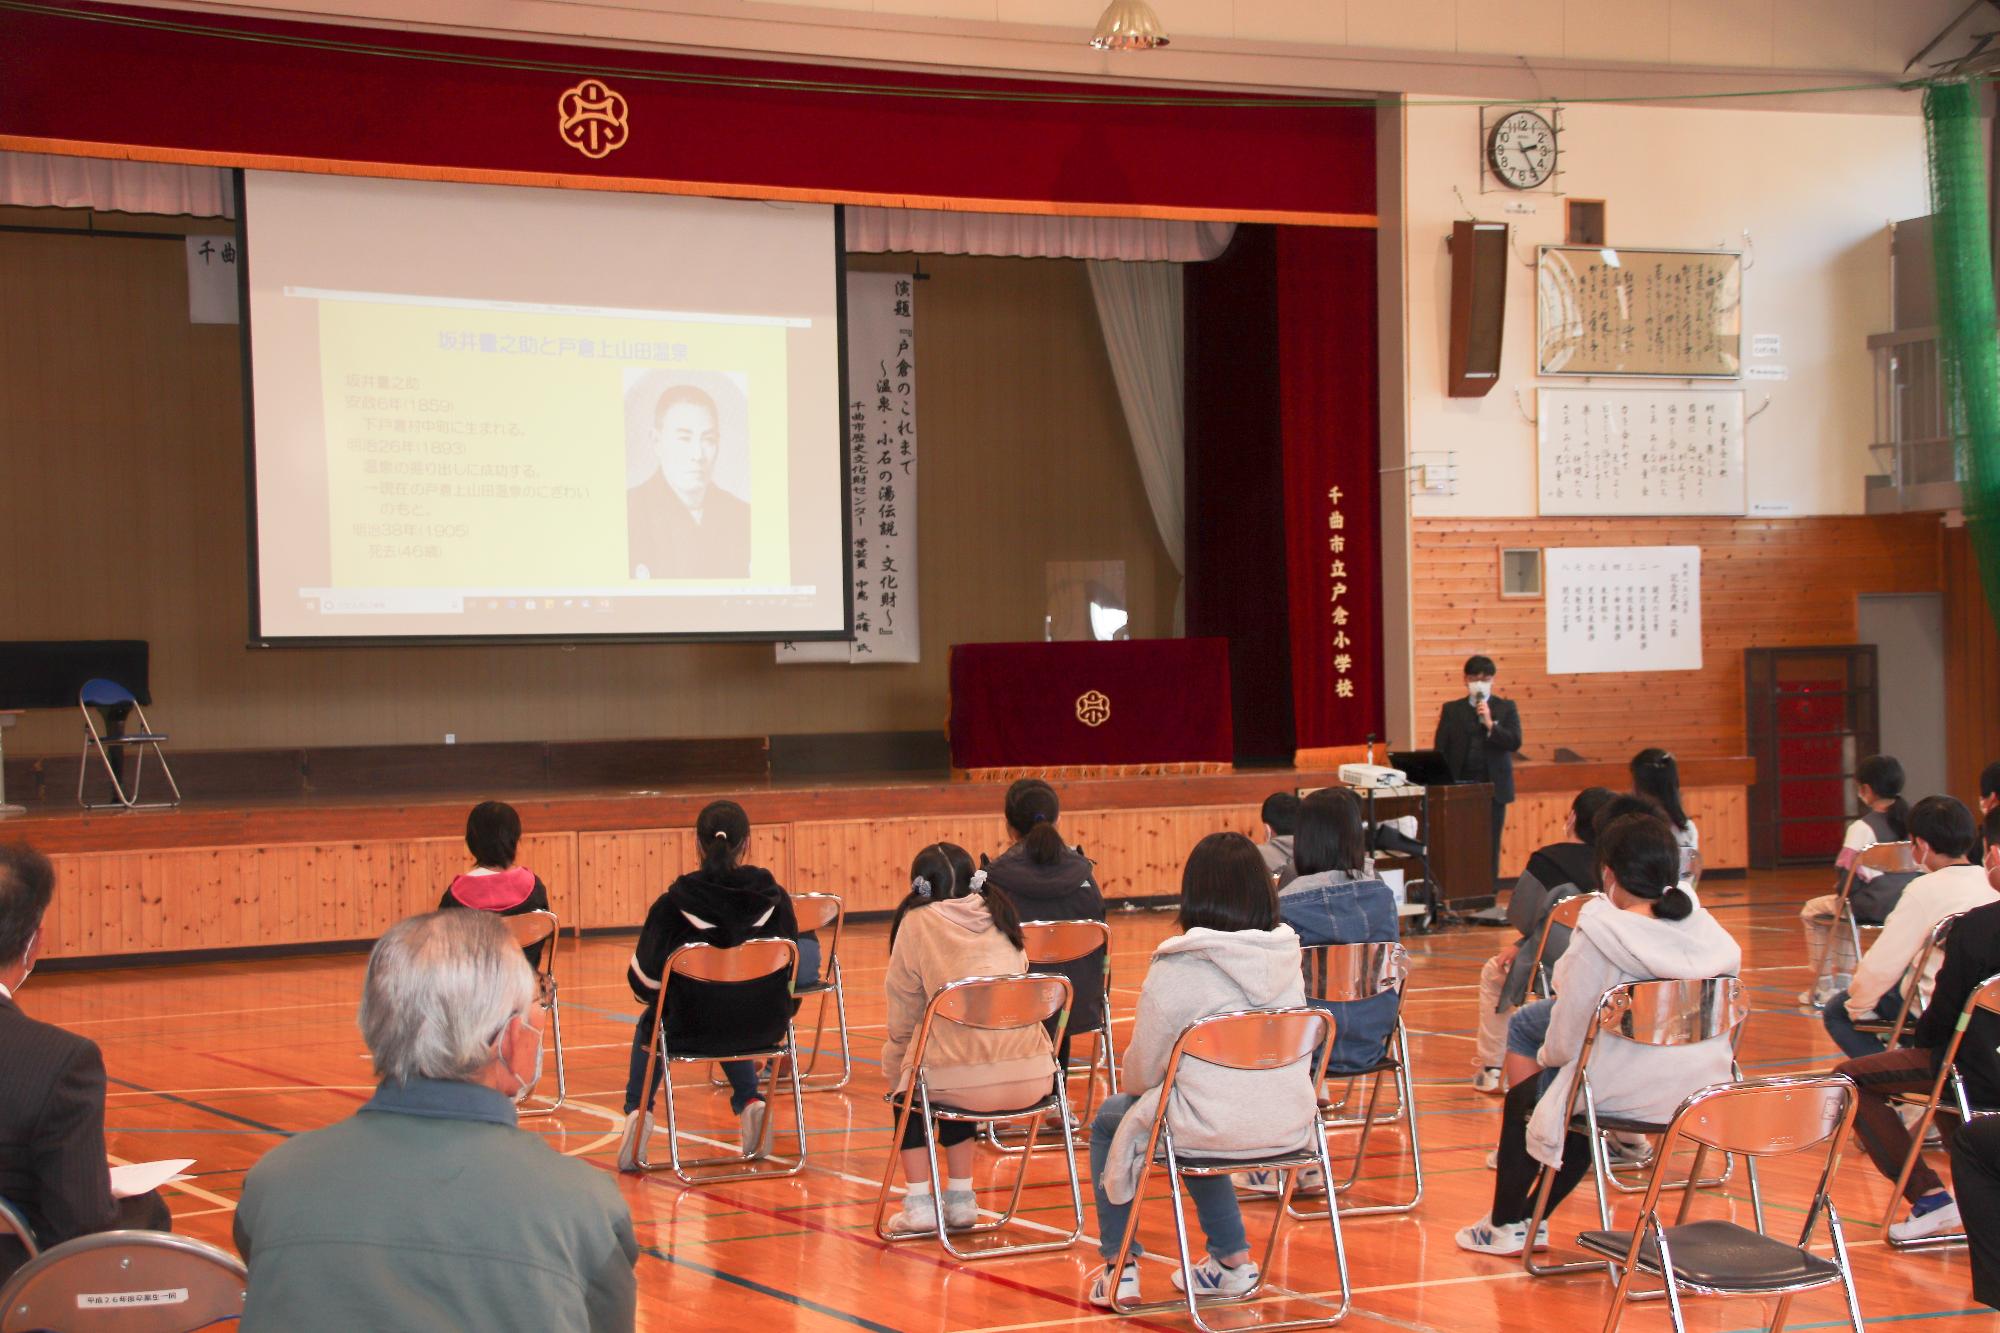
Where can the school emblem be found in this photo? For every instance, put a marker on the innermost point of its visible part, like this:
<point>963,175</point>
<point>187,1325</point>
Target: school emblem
<point>1093,708</point>
<point>591,118</point>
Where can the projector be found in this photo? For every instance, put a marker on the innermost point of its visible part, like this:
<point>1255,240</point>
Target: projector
<point>1372,775</point>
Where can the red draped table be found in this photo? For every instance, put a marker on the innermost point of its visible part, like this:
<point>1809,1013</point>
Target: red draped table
<point>1088,709</point>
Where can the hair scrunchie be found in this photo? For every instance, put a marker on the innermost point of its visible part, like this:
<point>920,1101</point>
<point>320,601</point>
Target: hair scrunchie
<point>921,887</point>
<point>978,880</point>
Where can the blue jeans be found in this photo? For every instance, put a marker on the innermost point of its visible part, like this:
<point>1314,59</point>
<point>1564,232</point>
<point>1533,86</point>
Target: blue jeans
<point>1840,1027</point>
<point>1528,1028</point>
<point>1214,1196</point>
<point>742,1074</point>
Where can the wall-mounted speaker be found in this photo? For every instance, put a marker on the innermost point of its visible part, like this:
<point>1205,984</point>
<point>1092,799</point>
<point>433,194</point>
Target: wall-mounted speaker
<point>1479,259</point>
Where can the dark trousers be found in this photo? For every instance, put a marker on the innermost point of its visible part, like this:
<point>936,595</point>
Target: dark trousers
<point>1499,823</point>
<point>1975,1178</point>
<point>1519,1175</point>
<point>742,1074</point>
<point>141,1212</point>
<point>1881,1131</point>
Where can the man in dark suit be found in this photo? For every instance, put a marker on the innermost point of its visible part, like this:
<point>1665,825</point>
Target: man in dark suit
<point>1478,736</point>
<point>52,1163</point>
<point>678,523</point>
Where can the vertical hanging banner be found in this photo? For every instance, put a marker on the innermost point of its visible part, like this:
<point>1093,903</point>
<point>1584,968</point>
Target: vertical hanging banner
<point>211,270</point>
<point>882,475</point>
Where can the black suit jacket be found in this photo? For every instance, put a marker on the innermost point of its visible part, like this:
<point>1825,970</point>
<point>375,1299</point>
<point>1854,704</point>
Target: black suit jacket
<point>52,1164</point>
<point>1460,733</point>
<point>663,537</point>
<point>1971,955</point>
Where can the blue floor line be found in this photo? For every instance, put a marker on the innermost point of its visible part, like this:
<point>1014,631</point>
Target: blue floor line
<point>1872,1319</point>
<point>763,1290</point>
<point>203,1106</point>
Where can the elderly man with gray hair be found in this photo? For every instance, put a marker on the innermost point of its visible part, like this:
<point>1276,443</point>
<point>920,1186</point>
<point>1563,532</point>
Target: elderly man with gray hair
<point>429,1208</point>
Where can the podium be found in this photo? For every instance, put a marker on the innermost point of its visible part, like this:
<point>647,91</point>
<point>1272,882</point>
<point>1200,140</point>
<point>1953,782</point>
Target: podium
<point>1090,709</point>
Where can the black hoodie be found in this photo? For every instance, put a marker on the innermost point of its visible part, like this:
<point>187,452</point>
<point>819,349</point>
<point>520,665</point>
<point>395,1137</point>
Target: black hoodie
<point>1065,891</point>
<point>723,908</point>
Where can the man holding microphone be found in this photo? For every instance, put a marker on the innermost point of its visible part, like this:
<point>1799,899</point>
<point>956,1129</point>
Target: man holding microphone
<point>1478,736</point>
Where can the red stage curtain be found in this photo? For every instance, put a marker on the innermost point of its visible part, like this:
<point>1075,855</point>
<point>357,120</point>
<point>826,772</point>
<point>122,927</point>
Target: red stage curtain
<point>198,87</point>
<point>1327,390</point>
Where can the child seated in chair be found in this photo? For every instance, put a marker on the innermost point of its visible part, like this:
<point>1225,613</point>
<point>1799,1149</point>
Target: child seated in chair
<point>724,903</point>
<point>1885,815</point>
<point>1233,953</point>
<point>495,883</point>
<point>953,924</point>
<point>1645,928</point>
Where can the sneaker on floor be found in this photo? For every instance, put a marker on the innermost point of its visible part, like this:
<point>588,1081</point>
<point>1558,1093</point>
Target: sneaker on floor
<point>1483,1237</point>
<point>638,1133</point>
<point>1128,1286</point>
<point>751,1120</point>
<point>1492,1159</point>
<point>1487,1080</point>
<point>1629,1149</point>
<point>1271,1181</point>
<point>1936,1222</point>
<point>961,1209</point>
<point>919,1215</point>
<point>1213,1279</point>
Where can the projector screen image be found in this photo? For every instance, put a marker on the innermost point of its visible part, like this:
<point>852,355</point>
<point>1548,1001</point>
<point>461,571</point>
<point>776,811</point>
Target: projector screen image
<point>488,411</point>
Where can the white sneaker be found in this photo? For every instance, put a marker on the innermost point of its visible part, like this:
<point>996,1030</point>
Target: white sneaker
<point>1492,1159</point>
<point>1629,1149</point>
<point>961,1209</point>
<point>1482,1237</point>
<point>1487,1080</point>
<point>1128,1286</point>
<point>1271,1181</point>
<point>1936,1222</point>
<point>919,1215</point>
<point>1213,1279</point>
<point>751,1121</point>
<point>638,1133</point>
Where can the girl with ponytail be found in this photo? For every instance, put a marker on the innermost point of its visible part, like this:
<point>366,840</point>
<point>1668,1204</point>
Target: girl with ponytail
<point>1046,879</point>
<point>1646,927</point>
<point>1885,817</point>
<point>954,924</point>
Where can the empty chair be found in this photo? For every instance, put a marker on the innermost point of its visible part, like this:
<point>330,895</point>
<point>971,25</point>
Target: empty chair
<point>530,929</point>
<point>124,1282</point>
<point>993,1004</point>
<point>113,702</point>
<point>1776,1117</point>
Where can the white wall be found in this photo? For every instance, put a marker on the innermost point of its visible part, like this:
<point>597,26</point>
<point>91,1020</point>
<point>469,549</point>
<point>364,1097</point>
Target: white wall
<point>1815,192</point>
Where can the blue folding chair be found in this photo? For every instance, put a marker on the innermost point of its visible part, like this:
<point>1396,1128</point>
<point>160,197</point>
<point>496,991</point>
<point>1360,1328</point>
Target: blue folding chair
<point>113,701</point>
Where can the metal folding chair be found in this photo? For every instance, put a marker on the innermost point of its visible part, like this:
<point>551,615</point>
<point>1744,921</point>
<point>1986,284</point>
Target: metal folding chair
<point>1655,1013</point>
<point>105,695</point>
<point>991,1004</point>
<point>13,1222</point>
<point>1346,972</point>
<point>1774,1117</point>
<point>825,913</point>
<point>1913,985</point>
<point>1564,914</point>
<point>1888,858</point>
<point>529,929</point>
<point>1051,944</point>
<point>1264,1039</point>
<point>121,1282</point>
<point>1986,995</point>
<point>705,964</point>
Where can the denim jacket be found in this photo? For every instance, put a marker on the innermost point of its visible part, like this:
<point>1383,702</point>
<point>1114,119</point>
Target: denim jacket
<point>1343,907</point>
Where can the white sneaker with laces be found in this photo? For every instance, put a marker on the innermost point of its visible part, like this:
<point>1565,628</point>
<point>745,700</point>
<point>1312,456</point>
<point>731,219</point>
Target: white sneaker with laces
<point>961,1209</point>
<point>1212,1279</point>
<point>1270,1181</point>
<point>1934,1223</point>
<point>1487,1080</point>
<point>1483,1237</point>
<point>751,1120</point>
<point>1128,1286</point>
<point>919,1215</point>
<point>638,1133</point>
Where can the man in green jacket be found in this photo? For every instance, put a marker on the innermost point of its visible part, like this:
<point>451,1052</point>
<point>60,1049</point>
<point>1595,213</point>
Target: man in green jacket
<point>429,1208</point>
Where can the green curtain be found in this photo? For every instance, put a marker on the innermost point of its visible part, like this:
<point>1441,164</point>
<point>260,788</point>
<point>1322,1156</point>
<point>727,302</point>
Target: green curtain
<point>1962,249</point>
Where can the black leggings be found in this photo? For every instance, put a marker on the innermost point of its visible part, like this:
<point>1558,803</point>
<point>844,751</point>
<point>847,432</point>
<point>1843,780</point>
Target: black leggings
<point>1519,1175</point>
<point>949,1131</point>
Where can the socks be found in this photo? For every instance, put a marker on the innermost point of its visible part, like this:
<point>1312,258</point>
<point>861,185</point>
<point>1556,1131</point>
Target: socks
<point>920,1190</point>
<point>1930,1203</point>
<point>958,1185</point>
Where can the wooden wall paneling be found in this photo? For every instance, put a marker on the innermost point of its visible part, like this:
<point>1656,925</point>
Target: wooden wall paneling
<point>1721,813</point>
<point>1765,582</point>
<point>867,861</point>
<point>1971,667</point>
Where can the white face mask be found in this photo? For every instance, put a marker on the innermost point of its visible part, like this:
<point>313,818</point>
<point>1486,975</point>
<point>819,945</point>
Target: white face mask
<point>28,953</point>
<point>1475,690</point>
<point>527,1088</point>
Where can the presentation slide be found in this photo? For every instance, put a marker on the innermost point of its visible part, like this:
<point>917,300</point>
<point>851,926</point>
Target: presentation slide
<point>491,411</point>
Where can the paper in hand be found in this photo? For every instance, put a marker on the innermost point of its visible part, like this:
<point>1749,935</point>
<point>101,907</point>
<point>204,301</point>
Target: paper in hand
<point>140,1177</point>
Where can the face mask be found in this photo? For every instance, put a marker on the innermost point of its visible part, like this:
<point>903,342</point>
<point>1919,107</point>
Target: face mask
<point>1479,689</point>
<point>26,953</point>
<point>522,1093</point>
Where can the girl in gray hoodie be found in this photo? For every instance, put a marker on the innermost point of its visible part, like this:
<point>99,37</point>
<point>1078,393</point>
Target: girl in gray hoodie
<point>1233,953</point>
<point>1647,928</point>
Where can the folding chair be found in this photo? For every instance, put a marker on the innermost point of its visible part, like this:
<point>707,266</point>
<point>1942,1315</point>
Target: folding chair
<point>124,1282</point>
<point>1986,995</point>
<point>1263,1039</point>
<point>705,964</point>
<point>1051,944</point>
<point>1888,858</point>
<point>825,913</point>
<point>1774,1117</point>
<point>1564,914</point>
<point>528,930</point>
<point>1913,984</point>
<point>1342,973</point>
<point>106,696</point>
<point>991,1004</point>
<point>1655,1013</point>
<point>13,1222</point>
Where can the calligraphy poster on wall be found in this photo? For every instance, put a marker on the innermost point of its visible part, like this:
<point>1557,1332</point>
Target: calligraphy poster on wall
<point>1640,451</point>
<point>882,475</point>
<point>1666,313</point>
<point>1623,608</point>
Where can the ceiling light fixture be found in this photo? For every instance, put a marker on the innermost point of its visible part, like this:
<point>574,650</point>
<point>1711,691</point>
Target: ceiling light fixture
<point>1128,25</point>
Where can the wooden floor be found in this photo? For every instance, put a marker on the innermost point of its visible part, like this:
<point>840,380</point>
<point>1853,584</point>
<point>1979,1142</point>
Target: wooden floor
<point>219,1061</point>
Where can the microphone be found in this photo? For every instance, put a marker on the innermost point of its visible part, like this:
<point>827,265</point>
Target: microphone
<point>1389,838</point>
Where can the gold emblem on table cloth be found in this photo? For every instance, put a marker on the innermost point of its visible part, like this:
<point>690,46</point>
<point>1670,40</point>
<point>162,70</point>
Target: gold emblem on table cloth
<point>591,118</point>
<point>1093,708</point>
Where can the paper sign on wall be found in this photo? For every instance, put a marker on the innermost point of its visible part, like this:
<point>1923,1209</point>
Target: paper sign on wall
<point>1623,608</point>
<point>211,270</point>
<point>1640,451</point>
